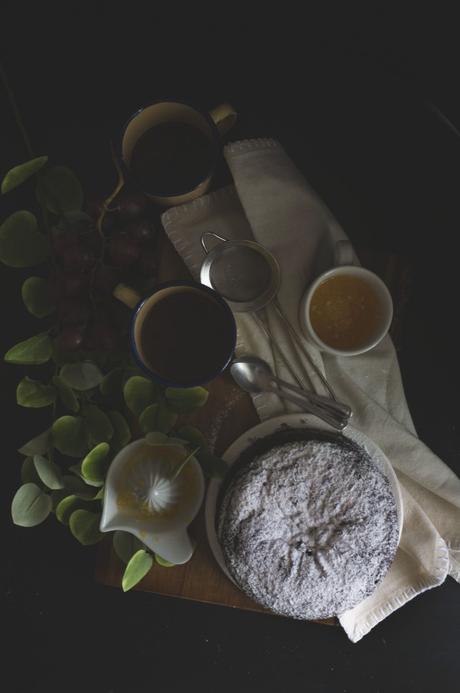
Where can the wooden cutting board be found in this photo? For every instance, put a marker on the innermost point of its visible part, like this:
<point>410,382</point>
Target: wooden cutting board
<point>229,413</point>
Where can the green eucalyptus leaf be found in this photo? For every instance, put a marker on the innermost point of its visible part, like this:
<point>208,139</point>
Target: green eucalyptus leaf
<point>67,506</point>
<point>184,400</point>
<point>177,441</point>
<point>148,419</point>
<point>19,174</point>
<point>99,495</point>
<point>84,525</point>
<point>37,297</point>
<point>68,435</point>
<point>111,384</point>
<point>21,244</point>
<point>77,486</point>
<point>76,469</point>
<point>98,426</point>
<point>163,562</point>
<point>211,464</point>
<point>157,438</point>
<point>75,218</point>
<point>38,445</point>
<point>34,394</point>
<point>66,394</point>
<point>160,439</point>
<point>137,568</point>
<point>139,392</point>
<point>60,190</point>
<point>31,352</point>
<point>81,376</point>
<point>30,506</point>
<point>193,436</point>
<point>121,431</point>
<point>125,545</point>
<point>166,419</point>
<point>94,466</point>
<point>157,417</point>
<point>29,473</point>
<point>49,472</point>
<point>129,372</point>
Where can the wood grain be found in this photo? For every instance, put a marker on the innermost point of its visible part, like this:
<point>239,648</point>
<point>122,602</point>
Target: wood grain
<point>229,413</point>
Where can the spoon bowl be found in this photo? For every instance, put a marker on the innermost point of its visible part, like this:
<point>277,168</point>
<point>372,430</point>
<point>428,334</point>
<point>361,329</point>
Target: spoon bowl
<point>251,373</point>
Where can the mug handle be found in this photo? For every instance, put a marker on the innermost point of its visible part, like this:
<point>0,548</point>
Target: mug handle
<point>343,254</point>
<point>224,117</point>
<point>127,295</point>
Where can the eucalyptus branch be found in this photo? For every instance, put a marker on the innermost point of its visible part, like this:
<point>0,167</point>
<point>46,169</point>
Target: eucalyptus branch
<point>16,112</point>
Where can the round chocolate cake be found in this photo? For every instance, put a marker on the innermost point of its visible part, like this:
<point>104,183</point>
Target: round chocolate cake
<point>308,528</point>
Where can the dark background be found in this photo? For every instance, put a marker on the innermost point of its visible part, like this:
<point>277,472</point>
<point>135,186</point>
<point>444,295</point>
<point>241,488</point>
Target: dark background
<point>356,99</point>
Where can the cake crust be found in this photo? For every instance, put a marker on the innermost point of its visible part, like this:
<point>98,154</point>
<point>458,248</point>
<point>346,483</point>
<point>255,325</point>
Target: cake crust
<point>308,528</point>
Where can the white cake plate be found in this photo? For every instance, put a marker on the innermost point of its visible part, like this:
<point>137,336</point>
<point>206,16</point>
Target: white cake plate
<point>280,423</point>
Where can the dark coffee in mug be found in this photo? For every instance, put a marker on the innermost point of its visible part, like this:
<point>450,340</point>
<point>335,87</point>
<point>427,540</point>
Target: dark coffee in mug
<point>184,335</point>
<point>172,158</point>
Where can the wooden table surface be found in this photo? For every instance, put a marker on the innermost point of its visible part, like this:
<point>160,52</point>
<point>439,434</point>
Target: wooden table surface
<point>228,413</point>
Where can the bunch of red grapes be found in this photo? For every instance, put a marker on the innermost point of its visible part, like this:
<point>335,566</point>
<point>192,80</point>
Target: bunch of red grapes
<point>88,267</point>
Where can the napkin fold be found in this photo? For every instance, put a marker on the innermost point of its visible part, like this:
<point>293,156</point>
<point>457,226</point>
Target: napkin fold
<point>272,203</point>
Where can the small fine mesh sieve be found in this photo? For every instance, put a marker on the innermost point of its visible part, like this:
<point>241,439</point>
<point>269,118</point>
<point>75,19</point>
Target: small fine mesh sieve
<point>240,274</point>
<point>243,272</point>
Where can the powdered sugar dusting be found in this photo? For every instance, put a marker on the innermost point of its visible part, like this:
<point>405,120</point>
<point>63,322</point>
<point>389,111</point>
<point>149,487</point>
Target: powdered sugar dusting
<point>309,528</point>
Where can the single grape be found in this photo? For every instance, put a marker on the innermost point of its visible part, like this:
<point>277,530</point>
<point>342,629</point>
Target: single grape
<point>132,207</point>
<point>148,263</point>
<point>141,231</point>
<point>63,242</point>
<point>106,279</point>
<point>78,257</point>
<point>102,337</point>
<point>93,242</point>
<point>70,339</point>
<point>72,311</point>
<point>55,285</point>
<point>119,315</point>
<point>74,284</point>
<point>123,251</point>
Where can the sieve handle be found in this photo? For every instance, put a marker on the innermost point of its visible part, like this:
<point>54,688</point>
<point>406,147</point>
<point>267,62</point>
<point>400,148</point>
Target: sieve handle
<point>214,235</point>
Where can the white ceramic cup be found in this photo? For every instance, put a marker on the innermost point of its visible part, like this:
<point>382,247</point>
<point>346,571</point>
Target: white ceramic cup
<point>344,265</point>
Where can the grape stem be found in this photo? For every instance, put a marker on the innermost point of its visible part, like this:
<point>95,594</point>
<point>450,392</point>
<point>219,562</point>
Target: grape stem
<point>101,217</point>
<point>16,112</point>
<point>113,194</point>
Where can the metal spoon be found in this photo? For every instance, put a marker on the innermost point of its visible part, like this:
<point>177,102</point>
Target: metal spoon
<point>254,375</point>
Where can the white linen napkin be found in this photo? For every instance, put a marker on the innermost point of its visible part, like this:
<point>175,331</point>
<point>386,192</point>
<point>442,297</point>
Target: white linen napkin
<point>272,203</point>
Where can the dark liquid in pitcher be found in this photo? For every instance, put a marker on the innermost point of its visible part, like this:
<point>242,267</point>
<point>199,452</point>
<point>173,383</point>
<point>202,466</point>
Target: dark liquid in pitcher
<point>172,158</point>
<point>186,336</point>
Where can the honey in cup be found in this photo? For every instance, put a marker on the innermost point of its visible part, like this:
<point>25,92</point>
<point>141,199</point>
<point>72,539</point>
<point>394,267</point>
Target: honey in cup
<point>346,312</point>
